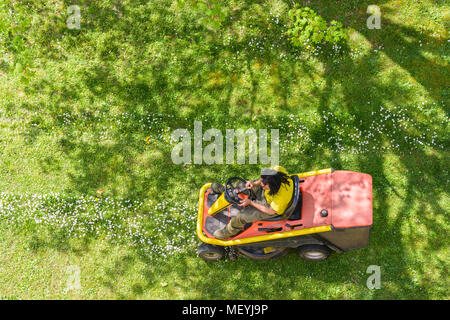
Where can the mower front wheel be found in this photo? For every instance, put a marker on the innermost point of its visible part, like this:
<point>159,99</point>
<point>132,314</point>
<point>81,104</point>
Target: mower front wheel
<point>314,252</point>
<point>209,252</point>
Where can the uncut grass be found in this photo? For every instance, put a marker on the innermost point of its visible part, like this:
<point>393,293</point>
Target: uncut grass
<point>94,110</point>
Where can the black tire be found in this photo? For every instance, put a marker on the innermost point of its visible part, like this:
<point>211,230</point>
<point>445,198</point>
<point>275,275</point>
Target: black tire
<point>314,252</point>
<point>209,252</point>
<point>259,254</point>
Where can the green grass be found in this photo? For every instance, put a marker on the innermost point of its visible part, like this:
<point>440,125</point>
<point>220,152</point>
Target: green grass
<point>93,109</point>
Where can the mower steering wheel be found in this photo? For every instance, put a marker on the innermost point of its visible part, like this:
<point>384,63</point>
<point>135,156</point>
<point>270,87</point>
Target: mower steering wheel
<point>234,194</point>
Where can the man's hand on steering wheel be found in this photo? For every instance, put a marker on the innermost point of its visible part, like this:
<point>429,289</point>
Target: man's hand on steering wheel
<point>251,184</point>
<point>236,190</point>
<point>245,202</point>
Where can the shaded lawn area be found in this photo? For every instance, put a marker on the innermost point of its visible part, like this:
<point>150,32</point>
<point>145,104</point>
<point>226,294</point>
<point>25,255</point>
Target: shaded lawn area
<point>93,109</point>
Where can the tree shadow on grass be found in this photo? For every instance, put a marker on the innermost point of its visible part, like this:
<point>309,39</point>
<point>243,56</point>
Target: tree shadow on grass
<point>184,91</point>
<point>411,48</point>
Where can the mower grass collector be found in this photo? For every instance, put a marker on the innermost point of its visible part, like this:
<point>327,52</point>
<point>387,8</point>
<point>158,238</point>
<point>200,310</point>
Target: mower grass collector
<point>329,211</point>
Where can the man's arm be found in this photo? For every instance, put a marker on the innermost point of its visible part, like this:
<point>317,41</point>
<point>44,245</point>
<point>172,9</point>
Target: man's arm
<point>258,206</point>
<point>263,208</point>
<point>251,184</point>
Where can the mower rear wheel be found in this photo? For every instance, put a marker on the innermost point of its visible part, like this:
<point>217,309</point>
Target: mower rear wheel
<point>313,252</point>
<point>209,252</point>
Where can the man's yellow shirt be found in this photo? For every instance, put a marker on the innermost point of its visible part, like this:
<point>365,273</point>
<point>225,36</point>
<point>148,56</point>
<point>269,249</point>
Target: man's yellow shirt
<point>280,200</point>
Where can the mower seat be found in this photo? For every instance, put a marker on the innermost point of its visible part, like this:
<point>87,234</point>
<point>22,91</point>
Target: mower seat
<point>293,212</point>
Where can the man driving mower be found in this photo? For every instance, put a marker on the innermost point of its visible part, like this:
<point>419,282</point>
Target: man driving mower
<point>272,193</point>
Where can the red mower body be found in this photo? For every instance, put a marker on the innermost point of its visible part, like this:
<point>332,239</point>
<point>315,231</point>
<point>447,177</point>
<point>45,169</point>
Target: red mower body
<point>336,206</point>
